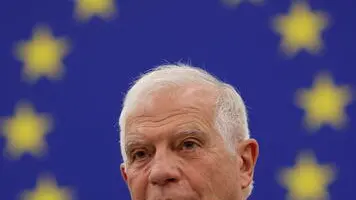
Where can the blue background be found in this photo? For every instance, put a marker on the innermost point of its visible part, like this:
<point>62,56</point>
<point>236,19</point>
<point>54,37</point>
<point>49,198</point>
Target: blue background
<point>235,43</point>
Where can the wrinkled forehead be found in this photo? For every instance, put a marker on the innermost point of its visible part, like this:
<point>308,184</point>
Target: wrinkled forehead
<point>192,108</point>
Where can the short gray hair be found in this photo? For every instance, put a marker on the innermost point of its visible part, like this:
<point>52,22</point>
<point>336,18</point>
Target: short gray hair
<point>230,111</point>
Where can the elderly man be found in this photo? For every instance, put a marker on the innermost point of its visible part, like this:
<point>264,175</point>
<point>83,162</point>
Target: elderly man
<point>184,135</point>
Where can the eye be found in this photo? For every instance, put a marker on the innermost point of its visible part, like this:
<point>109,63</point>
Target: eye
<point>189,145</point>
<point>139,155</point>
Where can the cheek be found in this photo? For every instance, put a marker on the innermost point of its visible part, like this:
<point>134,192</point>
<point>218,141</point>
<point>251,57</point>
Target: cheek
<point>204,174</point>
<point>214,176</point>
<point>137,182</point>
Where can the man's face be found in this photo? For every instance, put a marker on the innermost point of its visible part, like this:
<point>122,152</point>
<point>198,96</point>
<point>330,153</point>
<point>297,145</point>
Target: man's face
<point>174,152</point>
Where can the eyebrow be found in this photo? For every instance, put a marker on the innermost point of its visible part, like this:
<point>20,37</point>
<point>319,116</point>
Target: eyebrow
<point>188,132</point>
<point>136,140</point>
<point>133,141</point>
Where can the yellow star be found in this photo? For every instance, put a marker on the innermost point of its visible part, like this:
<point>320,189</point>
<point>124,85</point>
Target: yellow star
<point>25,131</point>
<point>307,179</point>
<point>47,189</point>
<point>301,29</point>
<point>42,55</point>
<point>324,103</point>
<point>85,9</point>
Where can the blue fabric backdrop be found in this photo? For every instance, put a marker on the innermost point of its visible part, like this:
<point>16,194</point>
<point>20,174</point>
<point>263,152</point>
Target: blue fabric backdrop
<point>65,65</point>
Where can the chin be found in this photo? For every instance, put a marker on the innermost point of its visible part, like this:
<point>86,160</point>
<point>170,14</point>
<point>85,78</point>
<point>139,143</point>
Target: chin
<point>172,198</point>
<point>177,195</point>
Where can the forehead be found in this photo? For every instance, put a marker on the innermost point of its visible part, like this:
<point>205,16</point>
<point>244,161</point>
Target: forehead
<point>190,106</point>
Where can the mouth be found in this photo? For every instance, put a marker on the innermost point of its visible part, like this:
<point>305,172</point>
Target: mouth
<point>171,198</point>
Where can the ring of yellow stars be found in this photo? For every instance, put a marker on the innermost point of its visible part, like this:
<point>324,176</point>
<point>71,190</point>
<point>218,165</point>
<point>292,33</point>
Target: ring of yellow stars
<point>307,179</point>
<point>324,103</point>
<point>301,29</point>
<point>25,131</point>
<point>42,55</point>
<point>85,9</point>
<point>47,189</point>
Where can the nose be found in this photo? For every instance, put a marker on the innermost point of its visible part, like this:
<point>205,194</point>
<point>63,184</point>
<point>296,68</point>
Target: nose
<point>164,170</point>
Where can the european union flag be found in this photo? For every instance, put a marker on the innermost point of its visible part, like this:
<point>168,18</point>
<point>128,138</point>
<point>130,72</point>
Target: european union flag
<point>64,66</point>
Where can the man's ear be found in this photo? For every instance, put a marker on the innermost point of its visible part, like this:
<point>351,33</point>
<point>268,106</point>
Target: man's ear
<point>123,172</point>
<point>248,151</point>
